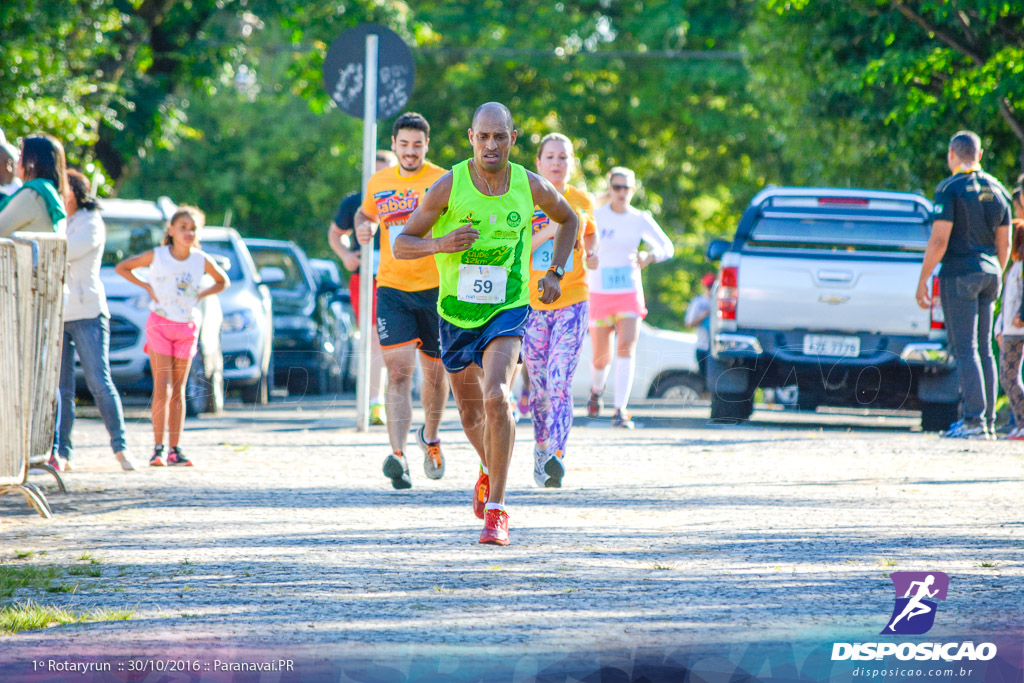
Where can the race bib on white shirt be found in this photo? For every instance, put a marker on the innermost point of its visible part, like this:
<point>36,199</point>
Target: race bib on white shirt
<point>545,254</point>
<point>482,284</point>
<point>620,278</point>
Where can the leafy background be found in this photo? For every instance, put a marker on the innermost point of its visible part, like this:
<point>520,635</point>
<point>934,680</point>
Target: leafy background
<point>220,102</point>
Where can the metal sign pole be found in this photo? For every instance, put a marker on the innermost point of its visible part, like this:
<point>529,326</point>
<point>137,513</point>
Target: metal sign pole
<point>366,259</point>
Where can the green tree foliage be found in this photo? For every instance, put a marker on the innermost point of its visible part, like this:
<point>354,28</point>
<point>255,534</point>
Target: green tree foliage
<point>868,92</point>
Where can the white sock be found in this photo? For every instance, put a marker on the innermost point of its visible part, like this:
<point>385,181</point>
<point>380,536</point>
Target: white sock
<point>494,506</point>
<point>484,469</point>
<point>623,380</point>
<point>600,378</point>
<point>375,400</point>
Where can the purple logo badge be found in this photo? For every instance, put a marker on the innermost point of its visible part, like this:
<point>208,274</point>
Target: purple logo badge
<point>916,595</point>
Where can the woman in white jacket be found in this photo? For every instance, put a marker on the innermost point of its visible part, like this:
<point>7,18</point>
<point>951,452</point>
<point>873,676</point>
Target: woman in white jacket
<point>87,326</point>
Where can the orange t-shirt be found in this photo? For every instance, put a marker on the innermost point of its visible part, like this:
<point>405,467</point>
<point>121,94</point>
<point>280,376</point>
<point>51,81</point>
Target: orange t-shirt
<point>391,198</point>
<point>574,283</point>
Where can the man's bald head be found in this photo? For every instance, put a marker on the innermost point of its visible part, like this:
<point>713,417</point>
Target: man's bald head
<point>492,111</point>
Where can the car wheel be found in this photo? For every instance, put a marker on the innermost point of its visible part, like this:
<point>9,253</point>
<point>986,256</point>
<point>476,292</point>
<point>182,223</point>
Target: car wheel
<point>196,388</point>
<point>204,390</point>
<point>679,387</point>
<point>259,393</point>
<point>733,408</point>
<point>938,417</point>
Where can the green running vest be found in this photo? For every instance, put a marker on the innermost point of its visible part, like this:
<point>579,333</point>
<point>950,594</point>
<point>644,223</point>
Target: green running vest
<point>494,274</point>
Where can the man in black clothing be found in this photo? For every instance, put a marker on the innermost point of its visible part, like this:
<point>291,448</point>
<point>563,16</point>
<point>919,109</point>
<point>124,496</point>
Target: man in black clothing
<point>341,237</point>
<point>971,239</point>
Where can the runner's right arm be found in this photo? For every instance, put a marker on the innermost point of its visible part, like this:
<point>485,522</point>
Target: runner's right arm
<point>365,226</point>
<point>412,243</point>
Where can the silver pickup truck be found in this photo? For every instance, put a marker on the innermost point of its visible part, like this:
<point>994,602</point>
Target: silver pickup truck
<point>817,290</point>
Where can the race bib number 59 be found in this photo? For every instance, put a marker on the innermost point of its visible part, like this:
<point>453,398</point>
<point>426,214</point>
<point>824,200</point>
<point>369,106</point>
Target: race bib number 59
<point>482,284</point>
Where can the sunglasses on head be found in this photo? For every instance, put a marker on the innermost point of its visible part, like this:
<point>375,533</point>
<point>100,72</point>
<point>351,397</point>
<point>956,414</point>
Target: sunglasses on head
<point>622,187</point>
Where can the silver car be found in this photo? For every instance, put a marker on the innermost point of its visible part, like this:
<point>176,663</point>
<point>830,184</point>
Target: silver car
<point>247,331</point>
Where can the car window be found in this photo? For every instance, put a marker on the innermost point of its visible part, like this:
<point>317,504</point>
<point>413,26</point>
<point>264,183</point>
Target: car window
<point>294,281</point>
<point>839,234</point>
<point>225,249</point>
<point>126,237</point>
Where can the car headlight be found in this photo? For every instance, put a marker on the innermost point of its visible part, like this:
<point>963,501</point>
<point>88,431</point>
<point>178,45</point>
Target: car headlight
<point>238,321</point>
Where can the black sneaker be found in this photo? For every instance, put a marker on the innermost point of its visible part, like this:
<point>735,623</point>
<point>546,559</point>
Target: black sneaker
<point>157,459</point>
<point>178,459</point>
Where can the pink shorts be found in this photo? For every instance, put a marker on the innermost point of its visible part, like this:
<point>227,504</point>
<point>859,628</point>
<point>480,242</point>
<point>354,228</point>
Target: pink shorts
<point>170,338</point>
<point>608,309</point>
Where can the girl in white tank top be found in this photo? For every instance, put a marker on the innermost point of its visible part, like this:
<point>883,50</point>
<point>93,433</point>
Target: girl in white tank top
<point>174,284</point>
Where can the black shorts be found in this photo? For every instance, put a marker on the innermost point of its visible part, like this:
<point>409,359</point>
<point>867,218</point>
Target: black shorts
<point>409,318</point>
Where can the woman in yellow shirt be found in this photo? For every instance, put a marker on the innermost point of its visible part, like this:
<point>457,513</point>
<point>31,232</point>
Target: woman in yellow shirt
<point>555,332</point>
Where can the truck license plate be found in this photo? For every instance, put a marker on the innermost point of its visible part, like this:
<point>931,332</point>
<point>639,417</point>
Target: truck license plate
<point>826,345</point>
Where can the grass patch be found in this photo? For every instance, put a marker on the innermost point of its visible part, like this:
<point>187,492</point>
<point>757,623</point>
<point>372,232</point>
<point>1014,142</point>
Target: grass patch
<point>63,588</point>
<point>13,578</point>
<point>88,557</point>
<point>662,567</point>
<point>989,564</point>
<point>29,616</point>
<point>22,554</point>
<point>85,570</point>
<point>889,562</point>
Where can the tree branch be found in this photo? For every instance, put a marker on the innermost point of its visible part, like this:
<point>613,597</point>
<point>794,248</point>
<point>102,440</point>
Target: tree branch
<point>1010,116</point>
<point>945,37</point>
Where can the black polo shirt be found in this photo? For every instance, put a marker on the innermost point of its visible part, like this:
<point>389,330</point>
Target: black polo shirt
<point>976,204</point>
<point>345,219</point>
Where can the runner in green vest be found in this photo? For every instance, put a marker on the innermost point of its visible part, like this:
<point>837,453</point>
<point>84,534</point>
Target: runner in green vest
<point>480,213</point>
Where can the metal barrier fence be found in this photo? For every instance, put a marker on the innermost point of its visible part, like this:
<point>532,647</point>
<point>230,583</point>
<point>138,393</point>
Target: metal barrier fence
<point>32,271</point>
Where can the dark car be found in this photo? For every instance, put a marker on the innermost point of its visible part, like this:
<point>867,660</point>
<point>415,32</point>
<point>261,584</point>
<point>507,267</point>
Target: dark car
<point>310,340</point>
<point>327,271</point>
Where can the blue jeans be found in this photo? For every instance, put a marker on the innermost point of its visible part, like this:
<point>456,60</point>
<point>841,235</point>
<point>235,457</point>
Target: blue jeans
<point>968,302</point>
<point>92,340</point>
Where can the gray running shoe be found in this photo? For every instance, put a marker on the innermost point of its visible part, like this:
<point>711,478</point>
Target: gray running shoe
<point>396,468</point>
<point>540,459</point>
<point>966,429</point>
<point>433,458</point>
<point>594,404</point>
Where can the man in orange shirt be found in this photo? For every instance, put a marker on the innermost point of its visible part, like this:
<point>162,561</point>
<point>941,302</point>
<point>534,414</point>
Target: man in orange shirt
<point>407,316</point>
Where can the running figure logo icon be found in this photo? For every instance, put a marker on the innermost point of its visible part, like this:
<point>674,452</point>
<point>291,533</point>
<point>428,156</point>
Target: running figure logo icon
<point>916,592</point>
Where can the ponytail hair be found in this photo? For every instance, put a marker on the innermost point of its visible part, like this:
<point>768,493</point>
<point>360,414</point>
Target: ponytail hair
<point>192,211</point>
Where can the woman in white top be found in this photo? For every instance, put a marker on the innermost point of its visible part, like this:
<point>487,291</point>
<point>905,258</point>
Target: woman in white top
<point>87,327</point>
<point>616,291</point>
<point>174,280</point>
<point>1009,325</point>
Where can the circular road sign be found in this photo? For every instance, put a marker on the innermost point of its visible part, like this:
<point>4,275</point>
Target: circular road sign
<point>345,77</point>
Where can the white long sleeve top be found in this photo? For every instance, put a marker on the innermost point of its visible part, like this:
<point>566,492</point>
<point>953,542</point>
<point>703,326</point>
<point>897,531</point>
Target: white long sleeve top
<point>621,236</point>
<point>1012,292</point>
<point>87,236</point>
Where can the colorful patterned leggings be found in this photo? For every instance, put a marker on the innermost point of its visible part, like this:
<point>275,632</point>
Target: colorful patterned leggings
<point>1011,350</point>
<point>551,350</point>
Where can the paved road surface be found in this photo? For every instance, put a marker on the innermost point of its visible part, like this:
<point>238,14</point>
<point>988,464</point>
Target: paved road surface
<point>286,532</point>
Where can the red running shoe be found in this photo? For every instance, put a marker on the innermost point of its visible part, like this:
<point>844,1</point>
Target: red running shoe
<point>480,493</point>
<point>495,528</point>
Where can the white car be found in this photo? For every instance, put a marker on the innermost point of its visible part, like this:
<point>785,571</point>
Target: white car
<point>817,289</point>
<point>248,329</point>
<point>135,226</point>
<point>666,368</point>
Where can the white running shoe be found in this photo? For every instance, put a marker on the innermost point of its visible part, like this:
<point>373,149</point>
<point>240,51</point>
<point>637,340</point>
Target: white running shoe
<point>540,457</point>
